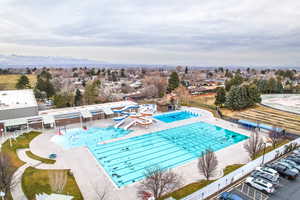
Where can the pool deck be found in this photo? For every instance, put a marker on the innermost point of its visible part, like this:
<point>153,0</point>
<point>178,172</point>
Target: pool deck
<point>92,179</point>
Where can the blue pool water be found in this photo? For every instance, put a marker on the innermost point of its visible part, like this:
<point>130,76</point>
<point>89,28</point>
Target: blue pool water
<point>175,116</point>
<point>126,160</point>
<point>78,137</point>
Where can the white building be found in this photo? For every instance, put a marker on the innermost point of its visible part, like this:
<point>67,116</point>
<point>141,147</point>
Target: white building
<point>17,104</point>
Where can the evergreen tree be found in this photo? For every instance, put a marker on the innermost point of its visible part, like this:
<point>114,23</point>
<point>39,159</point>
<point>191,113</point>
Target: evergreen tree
<point>272,85</point>
<point>186,70</point>
<point>233,98</point>
<point>262,86</point>
<point>44,84</point>
<point>220,96</point>
<point>243,96</point>
<point>63,100</point>
<point>173,81</point>
<point>236,80</point>
<point>254,94</point>
<point>77,98</point>
<point>23,82</point>
<point>122,72</point>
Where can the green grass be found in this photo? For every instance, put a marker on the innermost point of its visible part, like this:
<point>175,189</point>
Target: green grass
<point>36,157</point>
<point>11,151</point>
<point>36,181</point>
<point>193,187</point>
<point>20,143</point>
<point>270,148</point>
<point>9,81</point>
<point>230,168</point>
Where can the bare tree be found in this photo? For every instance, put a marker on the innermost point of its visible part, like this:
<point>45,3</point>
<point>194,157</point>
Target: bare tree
<point>159,182</point>
<point>183,95</point>
<point>58,180</point>
<point>101,194</point>
<point>7,180</point>
<point>254,145</point>
<point>275,137</point>
<point>207,163</point>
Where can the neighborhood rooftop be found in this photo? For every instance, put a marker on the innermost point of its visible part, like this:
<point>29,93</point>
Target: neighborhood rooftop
<point>12,99</point>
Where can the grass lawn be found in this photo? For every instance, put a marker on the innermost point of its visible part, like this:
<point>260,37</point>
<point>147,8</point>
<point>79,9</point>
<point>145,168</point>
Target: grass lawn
<point>36,157</point>
<point>8,81</point>
<point>230,168</point>
<point>35,181</point>
<point>270,148</point>
<point>21,142</point>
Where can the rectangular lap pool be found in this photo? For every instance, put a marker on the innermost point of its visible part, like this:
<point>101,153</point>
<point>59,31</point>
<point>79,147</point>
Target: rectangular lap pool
<point>126,160</point>
<point>175,116</point>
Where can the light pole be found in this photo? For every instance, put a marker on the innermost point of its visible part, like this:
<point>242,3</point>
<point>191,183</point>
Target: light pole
<point>263,158</point>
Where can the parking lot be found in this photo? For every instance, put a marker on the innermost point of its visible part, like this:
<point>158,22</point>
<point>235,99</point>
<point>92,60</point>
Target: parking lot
<point>287,190</point>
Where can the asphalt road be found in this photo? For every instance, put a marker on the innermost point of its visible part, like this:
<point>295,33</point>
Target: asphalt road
<point>289,190</point>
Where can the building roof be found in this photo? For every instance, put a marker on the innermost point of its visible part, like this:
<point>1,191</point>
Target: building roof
<point>12,99</point>
<point>49,116</point>
<point>90,108</point>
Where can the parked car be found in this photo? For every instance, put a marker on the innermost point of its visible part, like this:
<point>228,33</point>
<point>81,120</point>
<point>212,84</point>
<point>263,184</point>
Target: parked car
<point>230,196</point>
<point>295,154</point>
<point>282,170</point>
<point>297,151</point>
<point>268,177</point>
<point>291,163</point>
<point>288,166</point>
<point>293,158</point>
<point>268,171</point>
<point>260,184</point>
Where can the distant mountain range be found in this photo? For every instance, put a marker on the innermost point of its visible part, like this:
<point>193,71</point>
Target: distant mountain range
<point>19,61</point>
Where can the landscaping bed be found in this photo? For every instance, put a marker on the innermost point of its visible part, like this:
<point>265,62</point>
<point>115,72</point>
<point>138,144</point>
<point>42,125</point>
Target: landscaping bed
<point>36,157</point>
<point>11,151</point>
<point>36,181</point>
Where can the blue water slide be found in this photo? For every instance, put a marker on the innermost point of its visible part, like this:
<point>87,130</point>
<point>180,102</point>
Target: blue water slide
<point>126,108</point>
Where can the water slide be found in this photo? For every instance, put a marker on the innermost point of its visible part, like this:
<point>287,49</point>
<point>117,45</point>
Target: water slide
<point>119,124</point>
<point>126,108</point>
<point>123,113</point>
<point>144,121</point>
<point>129,125</point>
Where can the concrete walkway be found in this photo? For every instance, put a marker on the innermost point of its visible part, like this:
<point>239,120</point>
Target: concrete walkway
<point>17,192</point>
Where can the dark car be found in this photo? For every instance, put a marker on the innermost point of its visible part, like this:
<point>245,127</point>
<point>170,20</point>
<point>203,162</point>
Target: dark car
<point>268,177</point>
<point>283,170</point>
<point>293,158</point>
<point>230,196</point>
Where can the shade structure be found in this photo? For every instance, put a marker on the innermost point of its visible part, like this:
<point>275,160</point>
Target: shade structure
<point>86,114</point>
<point>108,111</point>
<point>48,119</point>
<point>15,122</point>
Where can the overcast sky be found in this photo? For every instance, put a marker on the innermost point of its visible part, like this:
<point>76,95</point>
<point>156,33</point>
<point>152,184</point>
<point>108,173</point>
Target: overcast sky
<point>198,32</point>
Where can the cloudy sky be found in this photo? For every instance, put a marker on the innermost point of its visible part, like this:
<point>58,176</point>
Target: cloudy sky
<point>189,32</point>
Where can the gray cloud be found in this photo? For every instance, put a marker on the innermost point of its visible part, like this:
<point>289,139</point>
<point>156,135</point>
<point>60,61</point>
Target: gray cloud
<point>189,28</point>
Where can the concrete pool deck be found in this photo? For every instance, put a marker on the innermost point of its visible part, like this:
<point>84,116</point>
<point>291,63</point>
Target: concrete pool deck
<point>92,178</point>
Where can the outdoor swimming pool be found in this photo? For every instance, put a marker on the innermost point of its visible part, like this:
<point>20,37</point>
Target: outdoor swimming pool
<point>78,137</point>
<point>126,160</point>
<point>175,116</point>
